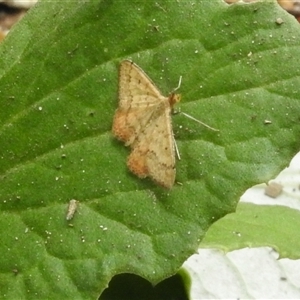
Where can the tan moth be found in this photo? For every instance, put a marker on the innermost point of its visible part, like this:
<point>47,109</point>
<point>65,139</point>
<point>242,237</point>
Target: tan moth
<point>143,122</point>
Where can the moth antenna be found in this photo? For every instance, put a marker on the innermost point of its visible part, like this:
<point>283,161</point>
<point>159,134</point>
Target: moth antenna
<point>196,120</point>
<point>178,86</point>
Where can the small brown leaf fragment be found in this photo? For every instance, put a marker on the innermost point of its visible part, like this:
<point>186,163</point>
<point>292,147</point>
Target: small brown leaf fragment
<point>273,189</point>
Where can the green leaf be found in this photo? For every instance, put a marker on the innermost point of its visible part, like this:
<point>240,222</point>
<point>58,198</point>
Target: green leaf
<point>59,91</point>
<point>257,226</point>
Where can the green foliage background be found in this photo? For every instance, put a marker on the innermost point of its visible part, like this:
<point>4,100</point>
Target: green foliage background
<point>256,226</point>
<point>59,91</point>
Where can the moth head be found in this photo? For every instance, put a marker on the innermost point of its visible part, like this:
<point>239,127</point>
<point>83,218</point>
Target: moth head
<point>174,98</point>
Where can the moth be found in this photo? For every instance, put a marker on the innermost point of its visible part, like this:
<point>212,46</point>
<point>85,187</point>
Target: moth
<point>143,122</point>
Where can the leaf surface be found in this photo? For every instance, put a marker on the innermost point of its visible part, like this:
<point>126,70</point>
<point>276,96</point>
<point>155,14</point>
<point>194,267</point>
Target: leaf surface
<point>59,91</point>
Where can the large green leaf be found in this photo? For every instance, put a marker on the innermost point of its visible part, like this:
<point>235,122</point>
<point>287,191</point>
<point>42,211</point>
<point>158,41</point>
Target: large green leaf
<point>59,87</point>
